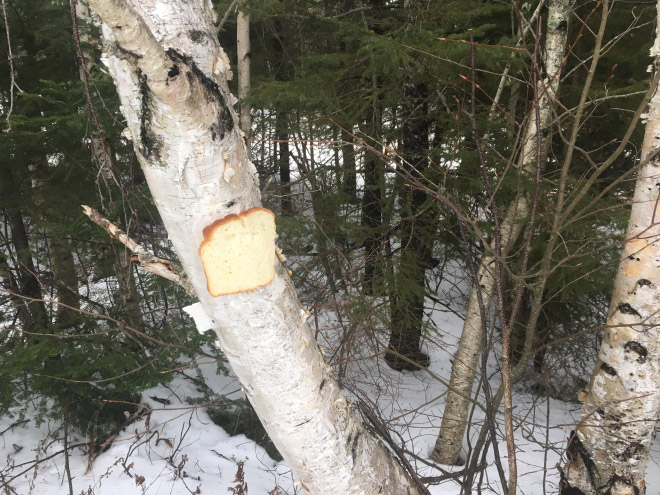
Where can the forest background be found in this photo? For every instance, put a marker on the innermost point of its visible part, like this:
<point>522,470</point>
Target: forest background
<point>372,124</point>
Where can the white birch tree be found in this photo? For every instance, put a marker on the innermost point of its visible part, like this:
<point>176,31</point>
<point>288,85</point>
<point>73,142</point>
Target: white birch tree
<point>243,52</point>
<point>609,449</point>
<point>454,421</point>
<point>170,74</point>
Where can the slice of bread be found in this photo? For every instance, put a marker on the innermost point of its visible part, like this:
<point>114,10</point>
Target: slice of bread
<point>238,252</point>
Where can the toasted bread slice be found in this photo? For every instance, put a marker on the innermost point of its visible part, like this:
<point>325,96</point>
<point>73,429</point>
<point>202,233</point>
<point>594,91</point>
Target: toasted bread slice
<point>238,252</point>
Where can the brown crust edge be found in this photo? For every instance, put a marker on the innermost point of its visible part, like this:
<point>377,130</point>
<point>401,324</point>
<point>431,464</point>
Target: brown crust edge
<point>208,234</point>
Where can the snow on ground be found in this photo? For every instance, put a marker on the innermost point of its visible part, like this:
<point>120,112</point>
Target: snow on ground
<point>178,450</point>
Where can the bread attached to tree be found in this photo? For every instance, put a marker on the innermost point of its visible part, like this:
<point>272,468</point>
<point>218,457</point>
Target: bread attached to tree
<point>238,252</point>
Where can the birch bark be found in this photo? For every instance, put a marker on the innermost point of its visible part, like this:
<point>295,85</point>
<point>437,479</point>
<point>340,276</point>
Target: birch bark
<point>243,50</point>
<point>171,76</point>
<point>608,451</point>
<point>448,445</point>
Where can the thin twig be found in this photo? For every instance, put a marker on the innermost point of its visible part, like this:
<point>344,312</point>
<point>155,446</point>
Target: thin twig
<point>507,69</point>
<point>12,74</point>
<point>67,469</point>
<point>107,164</point>
<point>352,11</point>
<point>13,425</point>
<point>39,461</point>
<point>368,411</point>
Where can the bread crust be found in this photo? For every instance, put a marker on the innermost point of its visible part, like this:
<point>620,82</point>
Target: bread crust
<point>208,232</point>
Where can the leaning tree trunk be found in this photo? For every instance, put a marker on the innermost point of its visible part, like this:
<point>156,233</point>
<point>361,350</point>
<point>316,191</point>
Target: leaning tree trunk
<point>455,417</point>
<point>171,75</point>
<point>609,450</point>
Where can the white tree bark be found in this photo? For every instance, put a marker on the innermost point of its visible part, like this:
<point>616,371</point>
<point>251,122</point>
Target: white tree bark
<point>608,451</point>
<point>454,420</point>
<point>243,49</point>
<point>171,76</point>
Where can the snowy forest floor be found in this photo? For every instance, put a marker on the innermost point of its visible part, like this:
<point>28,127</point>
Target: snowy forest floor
<point>178,450</point>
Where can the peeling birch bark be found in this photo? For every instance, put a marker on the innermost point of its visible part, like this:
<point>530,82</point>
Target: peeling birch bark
<point>171,77</point>
<point>454,421</point>
<point>609,450</point>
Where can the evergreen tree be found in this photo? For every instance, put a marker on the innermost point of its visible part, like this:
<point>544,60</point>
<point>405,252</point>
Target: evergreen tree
<point>82,349</point>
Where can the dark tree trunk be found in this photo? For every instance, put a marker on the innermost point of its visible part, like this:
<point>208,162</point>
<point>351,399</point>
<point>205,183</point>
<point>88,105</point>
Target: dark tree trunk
<point>417,229</point>
<point>284,162</point>
<point>66,281</point>
<point>29,286</point>
<point>372,215</point>
<point>11,286</point>
<point>62,263</point>
<point>128,294</point>
<point>349,179</point>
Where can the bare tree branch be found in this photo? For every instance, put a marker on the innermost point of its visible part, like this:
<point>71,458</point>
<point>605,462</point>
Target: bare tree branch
<point>158,266</point>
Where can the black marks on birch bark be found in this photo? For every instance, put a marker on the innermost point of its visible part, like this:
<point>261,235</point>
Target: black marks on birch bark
<point>627,309</point>
<point>608,369</point>
<point>148,140</point>
<point>173,72</point>
<point>571,450</point>
<point>355,446</point>
<point>542,71</point>
<point>637,348</point>
<point>635,450</point>
<point>565,488</point>
<point>350,443</point>
<point>642,282</point>
<point>616,485</point>
<point>614,419</point>
<point>197,36</point>
<point>225,121</point>
<point>576,451</point>
<point>127,53</point>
